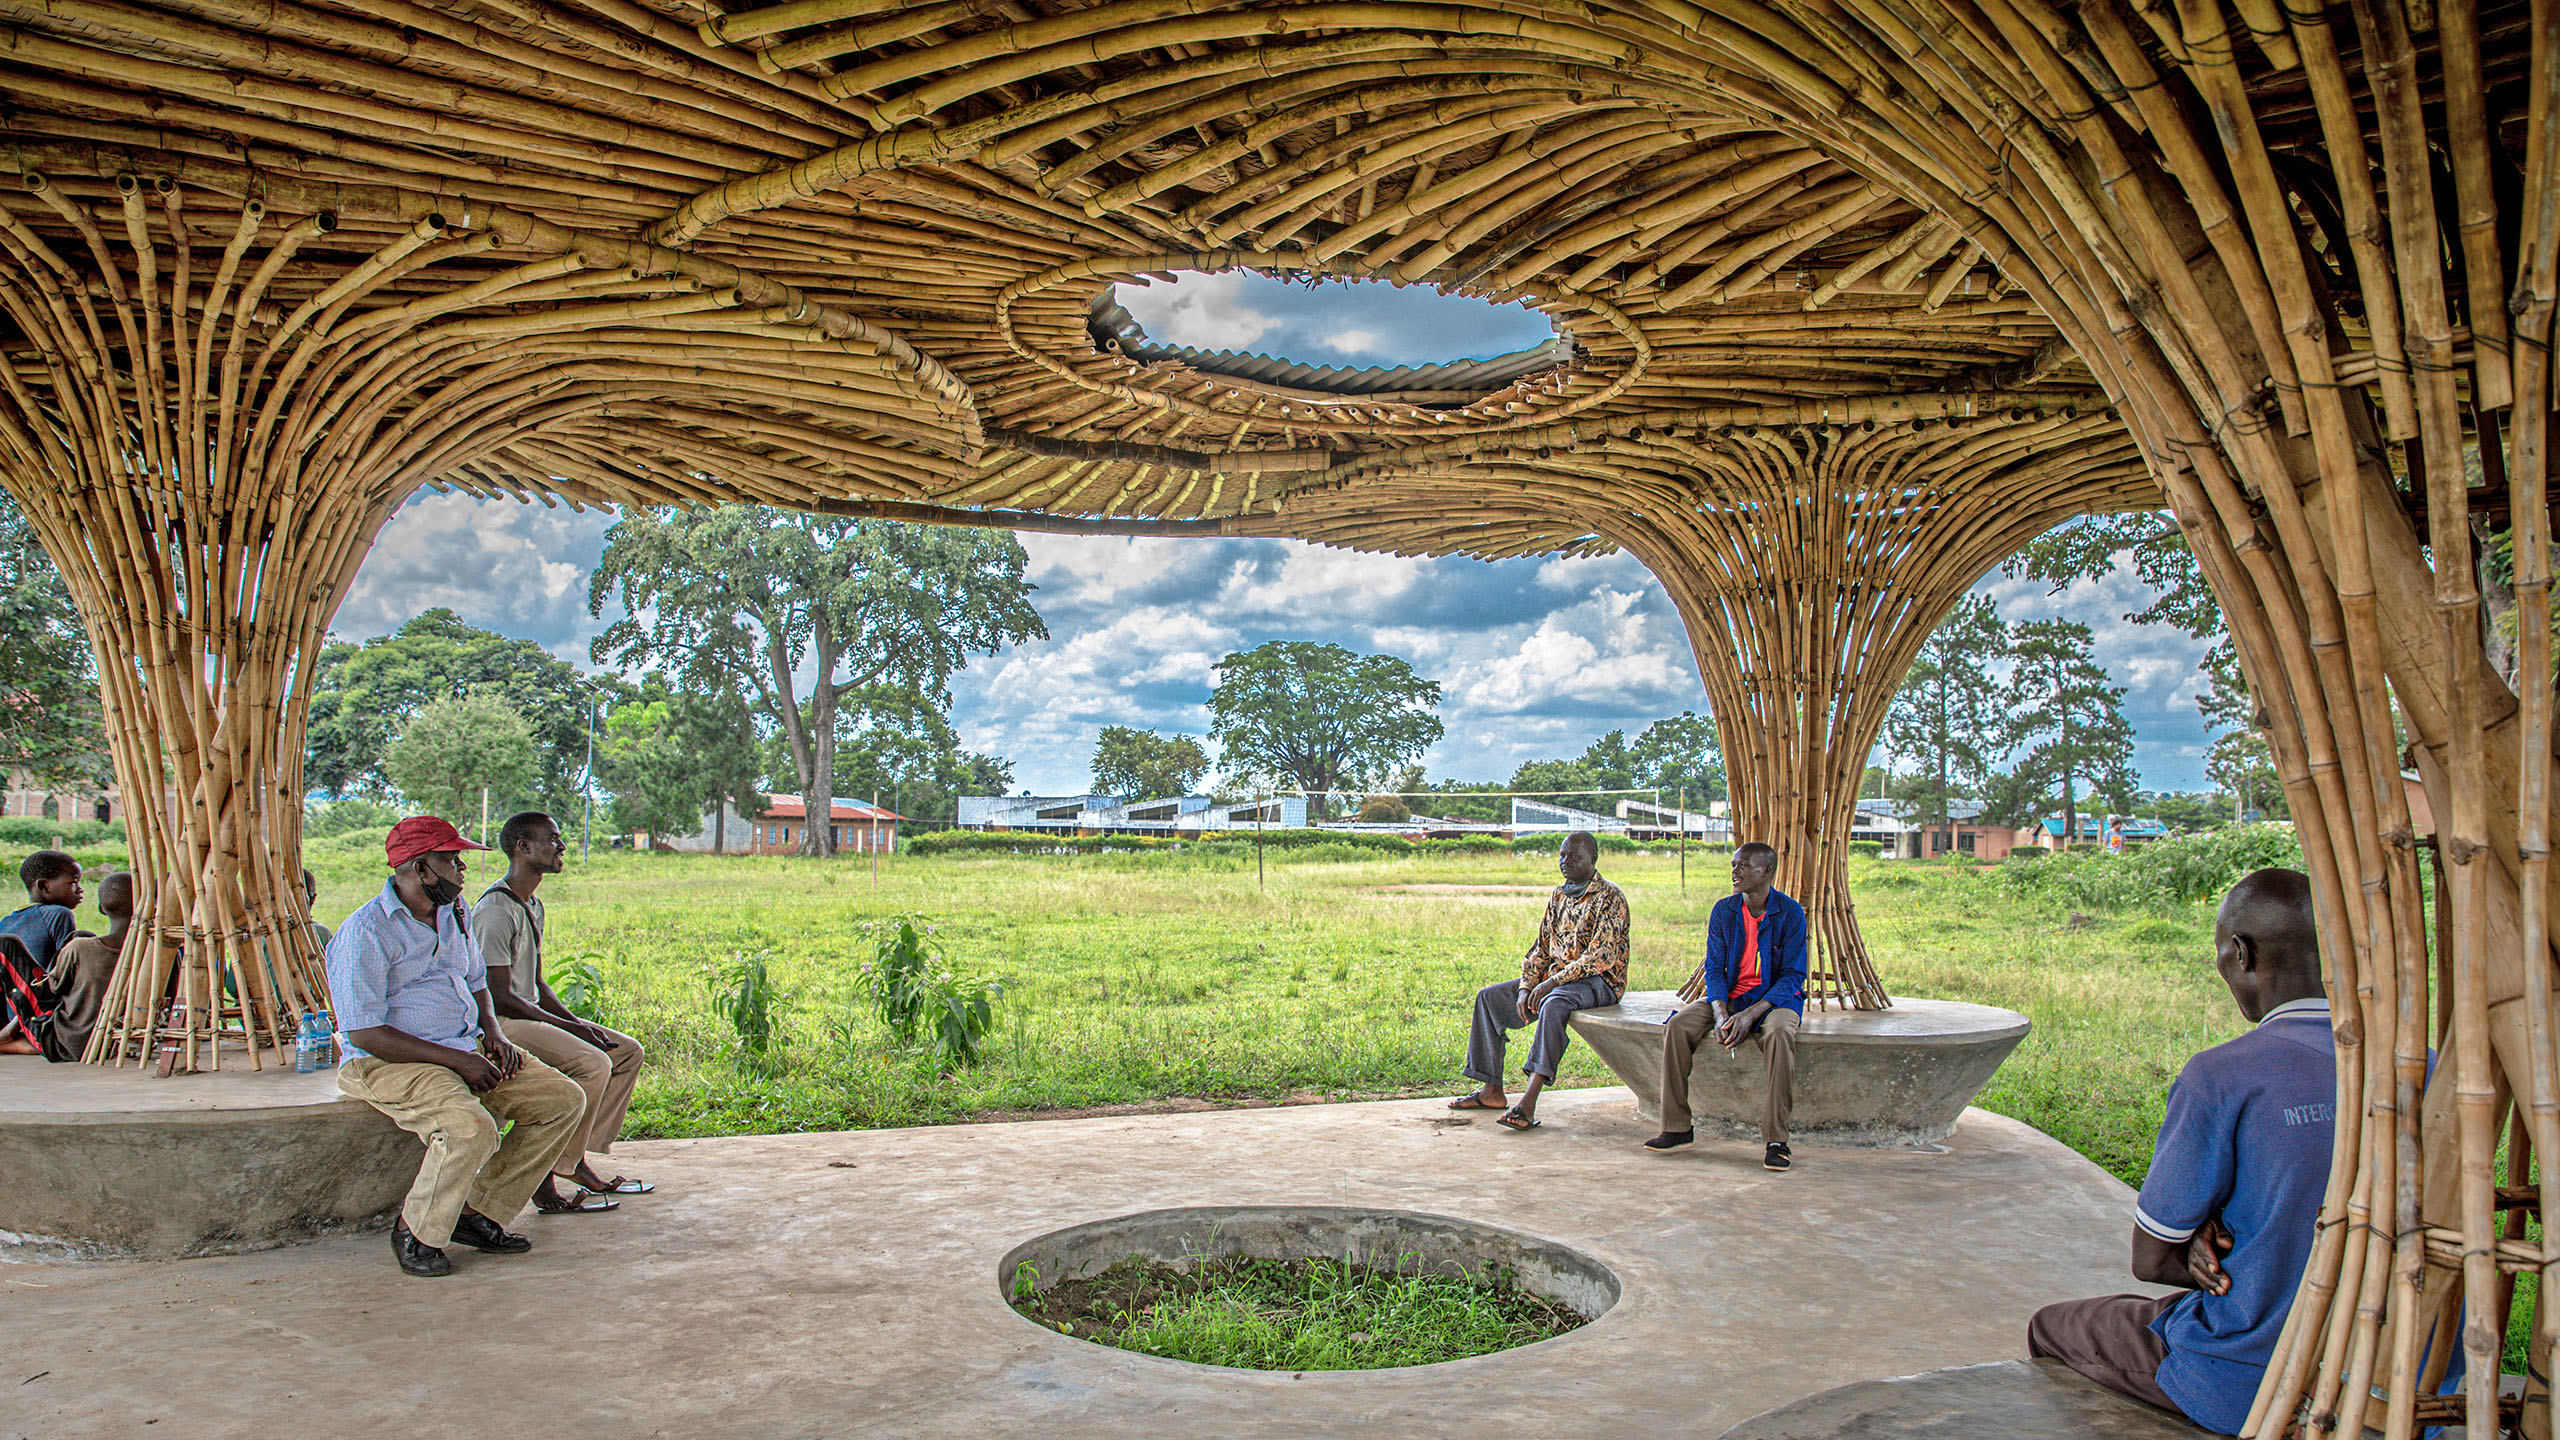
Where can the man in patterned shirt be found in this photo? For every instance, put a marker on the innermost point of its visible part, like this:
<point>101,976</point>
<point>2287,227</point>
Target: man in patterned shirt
<point>1578,961</point>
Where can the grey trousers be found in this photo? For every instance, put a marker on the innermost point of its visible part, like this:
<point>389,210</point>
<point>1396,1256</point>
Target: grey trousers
<point>1498,1013</point>
<point>2108,1339</point>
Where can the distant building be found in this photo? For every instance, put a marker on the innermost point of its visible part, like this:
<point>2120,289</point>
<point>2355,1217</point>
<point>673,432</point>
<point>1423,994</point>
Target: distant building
<point>1651,820</point>
<point>26,797</point>
<point>1543,817</point>
<point>2103,832</point>
<point>859,829</point>
<point>1896,825</point>
<point>1173,815</point>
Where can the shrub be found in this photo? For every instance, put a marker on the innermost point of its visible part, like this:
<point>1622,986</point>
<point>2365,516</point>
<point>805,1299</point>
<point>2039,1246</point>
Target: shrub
<point>34,832</point>
<point>2177,871</point>
<point>743,993</point>
<point>346,815</point>
<point>580,986</point>
<point>924,1001</point>
<point>1869,849</point>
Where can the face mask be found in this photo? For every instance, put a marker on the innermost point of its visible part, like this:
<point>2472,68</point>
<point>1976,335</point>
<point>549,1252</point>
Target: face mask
<point>440,890</point>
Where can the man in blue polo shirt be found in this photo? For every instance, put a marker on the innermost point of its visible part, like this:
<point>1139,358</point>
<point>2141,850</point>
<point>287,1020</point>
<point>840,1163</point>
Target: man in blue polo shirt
<point>1753,987</point>
<point>2232,1202</point>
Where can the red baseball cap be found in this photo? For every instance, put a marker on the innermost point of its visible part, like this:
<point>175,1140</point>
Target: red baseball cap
<point>423,835</point>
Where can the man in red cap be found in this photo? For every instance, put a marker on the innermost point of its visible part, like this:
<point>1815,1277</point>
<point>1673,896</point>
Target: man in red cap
<point>422,1045</point>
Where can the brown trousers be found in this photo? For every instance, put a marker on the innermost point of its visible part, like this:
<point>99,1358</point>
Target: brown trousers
<point>608,1077</point>
<point>466,1160</point>
<point>1776,1035</point>
<point>2109,1340</point>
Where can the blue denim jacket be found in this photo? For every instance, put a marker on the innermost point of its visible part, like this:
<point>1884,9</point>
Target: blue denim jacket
<point>1782,954</point>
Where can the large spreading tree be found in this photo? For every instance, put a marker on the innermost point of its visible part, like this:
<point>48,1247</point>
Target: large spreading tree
<point>1319,716</point>
<point>2067,721</point>
<point>1951,713</point>
<point>754,600</point>
<point>1143,765</point>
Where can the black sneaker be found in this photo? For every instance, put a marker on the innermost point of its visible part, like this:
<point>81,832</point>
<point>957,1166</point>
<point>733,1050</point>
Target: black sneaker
<point>1671,1139</point>
<point>414,1258</point>
<point>482,1233</point>
<point>1776,1159</point>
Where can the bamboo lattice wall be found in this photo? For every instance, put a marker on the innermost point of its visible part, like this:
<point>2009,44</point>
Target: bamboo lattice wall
<point>276,264</point>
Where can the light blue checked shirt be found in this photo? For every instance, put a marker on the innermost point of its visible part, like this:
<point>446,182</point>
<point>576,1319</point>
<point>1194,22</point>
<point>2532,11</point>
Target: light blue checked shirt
<point>387,968</point>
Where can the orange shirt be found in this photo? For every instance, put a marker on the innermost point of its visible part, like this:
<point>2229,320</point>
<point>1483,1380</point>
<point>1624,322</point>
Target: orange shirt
<point>1749,976</point>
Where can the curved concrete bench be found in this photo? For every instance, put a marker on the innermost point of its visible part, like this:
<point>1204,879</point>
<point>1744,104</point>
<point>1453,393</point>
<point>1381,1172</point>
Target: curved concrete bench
<point>1863,1077</point>
<point>2011,1399</point>
<point>113,1164</point>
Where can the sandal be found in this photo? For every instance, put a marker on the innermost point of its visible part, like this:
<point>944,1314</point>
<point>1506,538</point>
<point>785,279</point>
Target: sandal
<point>621,1185</point>
<point>1512,1119</point>
<point>580,1201</point>
<point>1473,1100</point>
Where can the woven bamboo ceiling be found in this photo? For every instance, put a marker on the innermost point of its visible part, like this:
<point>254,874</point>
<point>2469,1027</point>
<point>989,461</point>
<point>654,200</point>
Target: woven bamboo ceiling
<point>850,250</point>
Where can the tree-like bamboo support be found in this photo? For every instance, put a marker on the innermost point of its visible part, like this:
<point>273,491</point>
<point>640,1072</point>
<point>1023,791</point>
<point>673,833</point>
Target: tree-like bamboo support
<point>208,431</point>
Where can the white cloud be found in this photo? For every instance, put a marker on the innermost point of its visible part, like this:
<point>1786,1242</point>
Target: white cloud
<point>1353,342</point>
<point>516,568</point>
<point>1206,312</point>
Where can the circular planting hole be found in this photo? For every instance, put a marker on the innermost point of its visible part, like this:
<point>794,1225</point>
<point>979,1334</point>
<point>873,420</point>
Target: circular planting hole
<point>1303,1287</point>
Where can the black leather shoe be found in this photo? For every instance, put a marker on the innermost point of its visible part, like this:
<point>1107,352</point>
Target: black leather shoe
<point>1671,1139</point>
<point>414,1258</point>
<point>482,1233</point>
<point>1778,1158</point>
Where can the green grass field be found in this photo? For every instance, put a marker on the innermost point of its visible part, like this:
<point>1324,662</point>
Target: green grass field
<point>1132,979</point>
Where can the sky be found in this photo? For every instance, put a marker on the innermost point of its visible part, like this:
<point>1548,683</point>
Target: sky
<point>1536,658</point>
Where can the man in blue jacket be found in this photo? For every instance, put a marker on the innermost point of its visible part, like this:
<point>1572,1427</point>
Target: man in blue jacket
<point>1754,989</point>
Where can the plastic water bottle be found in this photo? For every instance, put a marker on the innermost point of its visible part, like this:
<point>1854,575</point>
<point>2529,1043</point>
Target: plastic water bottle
<point>328,1040</point>
<point>310,1047</point>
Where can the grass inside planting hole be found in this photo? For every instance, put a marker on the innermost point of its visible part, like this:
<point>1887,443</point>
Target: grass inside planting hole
<point>1312,1314</point>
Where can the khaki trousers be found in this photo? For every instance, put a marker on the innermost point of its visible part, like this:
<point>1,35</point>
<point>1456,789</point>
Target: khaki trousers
<point>1776,1035</point>
<point>608,1077</point>
<point>466,1160</point>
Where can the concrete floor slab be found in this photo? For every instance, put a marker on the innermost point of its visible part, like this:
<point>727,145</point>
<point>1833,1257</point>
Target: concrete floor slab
<point>846,1284</point>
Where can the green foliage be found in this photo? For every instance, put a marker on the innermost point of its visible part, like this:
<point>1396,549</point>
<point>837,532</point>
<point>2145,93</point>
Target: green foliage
<point>1320,716</point>
<point>34,832</point>
<point>580,986</point>
<point>923,1000</point>
<point>1866,849</point>
<point>672,757</point>
<point>451,750</point>
<point>1950,714</point>
<point>1143,765</point>
<point>1677,755</point>
<point>51,725</point>
<point>743,993</point>
<point>354,813</point>
<point>743,599</point>
<point>2181,870</point>
<point>363,695</point>
<point>1295,1315</point>
<point>908,754</point>
<point>2069,720</point>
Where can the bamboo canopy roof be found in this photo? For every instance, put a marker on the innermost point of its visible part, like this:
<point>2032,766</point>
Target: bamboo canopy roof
<point>1855,293</point>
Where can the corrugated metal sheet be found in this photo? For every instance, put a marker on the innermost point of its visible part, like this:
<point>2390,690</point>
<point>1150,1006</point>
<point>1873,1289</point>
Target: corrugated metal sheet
<point>1114,328</point>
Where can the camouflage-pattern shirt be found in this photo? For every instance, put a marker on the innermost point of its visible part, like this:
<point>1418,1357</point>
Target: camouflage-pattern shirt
<point>1579,937</point>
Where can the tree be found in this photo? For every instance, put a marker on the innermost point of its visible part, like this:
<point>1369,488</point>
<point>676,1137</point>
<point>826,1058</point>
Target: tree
<point>2069,719</point>
<point>1950,713</point>
<point>49,717</point>
<point>1557,779</point>
<point>1320,715</point>
<point>1143,765</point>
<point>2240,762</point>
<point>451,751</point>
<point>1680,753</point>
<point>748,599</point>
<point>675,759</point>
<point>912,759</point>
<point>362,695</point>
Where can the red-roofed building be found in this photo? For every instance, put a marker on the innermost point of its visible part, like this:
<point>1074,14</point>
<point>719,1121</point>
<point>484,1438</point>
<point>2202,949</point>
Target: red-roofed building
<point>859,829</point>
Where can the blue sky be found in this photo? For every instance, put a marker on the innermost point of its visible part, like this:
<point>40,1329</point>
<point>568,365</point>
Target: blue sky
<point>1536,658</point>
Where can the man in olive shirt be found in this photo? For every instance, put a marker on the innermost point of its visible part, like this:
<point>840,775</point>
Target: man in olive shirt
<point>605,1063</point>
